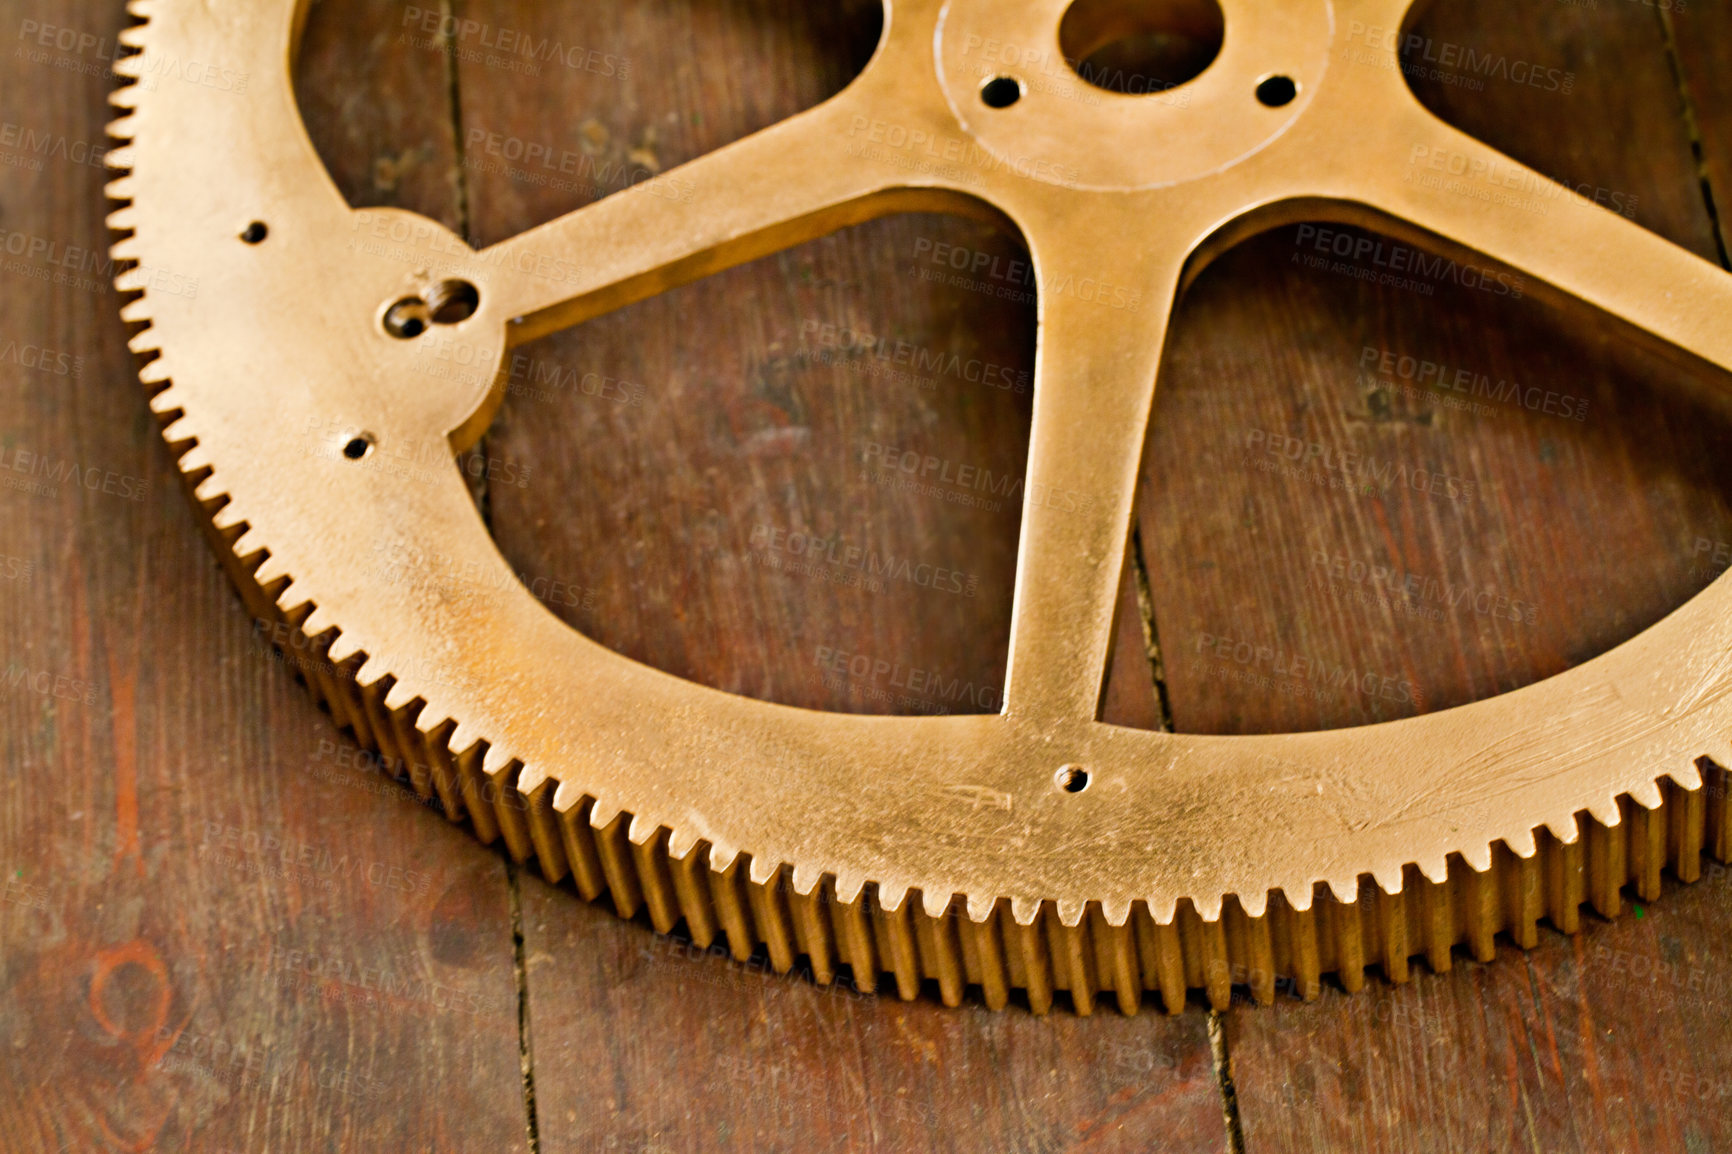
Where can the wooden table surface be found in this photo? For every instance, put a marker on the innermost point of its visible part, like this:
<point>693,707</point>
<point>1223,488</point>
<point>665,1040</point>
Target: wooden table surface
<point>167,982</point>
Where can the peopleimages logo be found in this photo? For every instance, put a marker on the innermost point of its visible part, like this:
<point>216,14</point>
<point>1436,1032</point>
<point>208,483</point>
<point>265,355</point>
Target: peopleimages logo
<point>1403,261</point>
<point>1437,375</point>
<point>1346,469</point>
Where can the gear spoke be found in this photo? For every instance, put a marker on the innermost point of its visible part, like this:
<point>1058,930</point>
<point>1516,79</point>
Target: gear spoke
<point>1444,182</point>
<point>1104,316</point>
<point>844,162</point>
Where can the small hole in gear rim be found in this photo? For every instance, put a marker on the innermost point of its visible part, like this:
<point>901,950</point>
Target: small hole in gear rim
<point>359,446</point>
<point>256,232</point>
<point>1072,778</point>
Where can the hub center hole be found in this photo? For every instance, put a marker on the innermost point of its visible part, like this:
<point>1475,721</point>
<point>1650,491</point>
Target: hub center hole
<point>1141,47</point>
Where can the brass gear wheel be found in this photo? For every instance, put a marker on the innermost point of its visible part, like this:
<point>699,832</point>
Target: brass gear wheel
<point>299,351</point>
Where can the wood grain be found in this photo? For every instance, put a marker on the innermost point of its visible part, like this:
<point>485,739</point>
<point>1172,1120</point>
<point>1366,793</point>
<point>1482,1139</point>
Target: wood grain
<point>168,984</point>
<point>218,930</point>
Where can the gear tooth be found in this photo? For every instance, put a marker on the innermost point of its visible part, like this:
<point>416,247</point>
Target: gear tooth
<point>343,646</point>
<point>1024,910</point>
<point>131,67</point>
<point>935,903</point>
<point>681,843</point>
<point>979,907</point>
<point>1070,912</point>
<point>854,938</point>
<point>194,460</point>
<point>126,96</point>
<point>891,896</point>
<point>813,932</point>
<point>1209,907</point>
<point>1687,776</point>
<point>733,912</point>
<point>1647,795</point>
<point>1346,922</point>
<point>896,944</point>
<point>1687,814</point>
<point>273,569</point>
<point>125,157</point>
<point>399,696</point>
<point>1251,944</point>
<point>1607,813</point>
<point>121,188</point>
<point>143,9</point>
<point>466,737</point>
<point>1116,912</point>
<point>1307,933</point>
<point>510,808</point>
<point>1562,863</point>
<point>228,517</point>
<point>533,778</point>
<point>762,871</point>
<point>126,248</point>
<point>165,402</point>
<point>849,887</point>
<point>1025,943</point>
<point>1648,835</point>
<point>133,36</point>
<point>1163,908</point>
<point>981,940</point>
<point>139,312</point>
<point>939,950</point>
<point>1522,844</point>
<point>723,857</point>
<point>1298,897</point>
<point>545,833</point>
<point>122,127</point>
<point>291,601</point>
<point>495,761</point>
<point>1255,904</point>
<point>770,913</point>
<point>1070,964</point>
<point>249,545</point>
<point>318,622</point>
<point>147,339</point>
<point>1116,959</point>
<point>806,878</point>
<point>178,430</point>
<point>1565,829</point>
<point>1478,856</point>
<point>692,887</point>
<point>603,814</point>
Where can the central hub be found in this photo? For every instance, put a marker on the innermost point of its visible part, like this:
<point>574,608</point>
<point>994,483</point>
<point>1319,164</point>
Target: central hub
<point>1128,94</point>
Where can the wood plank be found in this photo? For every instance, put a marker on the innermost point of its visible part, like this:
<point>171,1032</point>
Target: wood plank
<point>1698,36</point>
<point>754,412</point>
<point>652,1043</point>
<point>216,933</point>
<point>1595,525</point>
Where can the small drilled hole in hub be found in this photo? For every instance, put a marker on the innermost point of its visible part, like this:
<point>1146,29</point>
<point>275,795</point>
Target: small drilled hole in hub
<point>256,232</point>
<point>359,446</point>
<point>1072,778</point>
<point>1001,92</point>
<point>408,318</point>
<point>453,302</point>
<point>1276,91</point>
